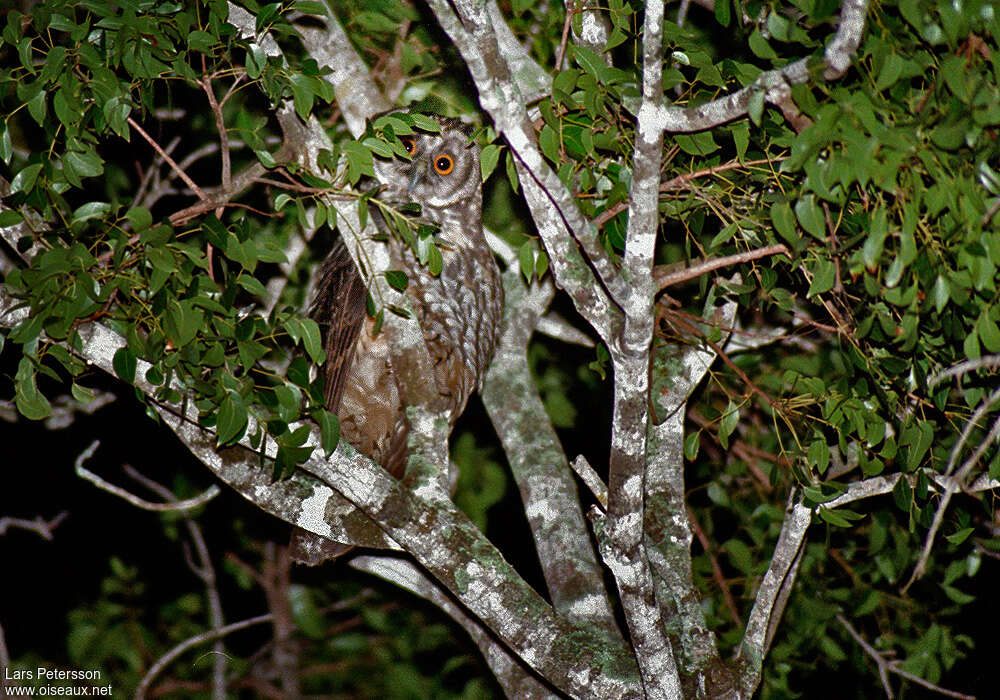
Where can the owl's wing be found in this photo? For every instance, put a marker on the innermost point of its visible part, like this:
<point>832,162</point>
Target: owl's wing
<point>339,309</point>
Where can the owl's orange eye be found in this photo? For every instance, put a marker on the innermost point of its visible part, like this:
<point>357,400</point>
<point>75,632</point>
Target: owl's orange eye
<point>444,164</point>
<point>409,144</point>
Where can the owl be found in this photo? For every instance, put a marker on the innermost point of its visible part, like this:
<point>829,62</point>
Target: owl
<point>458,310</point>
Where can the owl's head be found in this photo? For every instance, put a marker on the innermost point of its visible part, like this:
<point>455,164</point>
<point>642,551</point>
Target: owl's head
<point>443,172</point>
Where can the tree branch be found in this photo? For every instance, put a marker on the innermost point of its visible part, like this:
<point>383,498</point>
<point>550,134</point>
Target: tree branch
<point>168,658</point>
<point>43,528</point>
<point>187,504</point>
<point>779,577</point>
<point>773,84</point>
<point>624,549</point>
<point>886,667</point>
<point>666,527</point>
<point>539,465</point>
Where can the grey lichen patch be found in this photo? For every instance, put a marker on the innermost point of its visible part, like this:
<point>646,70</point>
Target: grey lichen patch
<point>660,515</point>
<point>312,517</point>
<point>461,581</point>
<point>603,661</point>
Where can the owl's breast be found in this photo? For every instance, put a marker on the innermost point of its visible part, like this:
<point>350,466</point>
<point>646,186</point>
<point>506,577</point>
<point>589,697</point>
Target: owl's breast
<point>459,311</point>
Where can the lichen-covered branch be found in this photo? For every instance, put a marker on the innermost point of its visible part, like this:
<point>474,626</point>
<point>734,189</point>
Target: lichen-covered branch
<point>778,578</point>
<point>668,536</point>
<point>771,86</point>
<point>540,468</point>
<point>624,549</point>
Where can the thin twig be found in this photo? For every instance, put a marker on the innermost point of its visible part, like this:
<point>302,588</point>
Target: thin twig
<point>986,361</point>
<point>957,483</point>
<point>42,527</point>
<point>591,480</point>
<point>667,279</point>
<point>681,182</point>
<point>561,55</point>
<point>168,658</point>
<point>220,124</point>
<point>885,667</point>
<point>152,170</point>
<point>170,161</point>
<point>187,504</point>
<point>554,326</point>
<point>717,574</point>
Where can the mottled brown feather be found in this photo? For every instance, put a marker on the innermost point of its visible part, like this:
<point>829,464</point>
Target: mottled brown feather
<point>339,309</point>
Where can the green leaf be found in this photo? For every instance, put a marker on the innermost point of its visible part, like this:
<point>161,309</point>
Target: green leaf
<point>10,217</point>
<point>548,141</point>
<point>310,7</point>
<point>541,264</point>
<point>25,179</point>
<point>824,276</point>
<point>124,363</point>
<point>871,253</point>
<point>698,144</point>
<point>435,262</point>
<point>231,421</point>
<point>329,427</point>
<point>182,322</point>
<point>730,419</point>
<point>488,160</point>
<point>819,455</point>
<point>892,69</point>
<point>36,107</point>
<point>305,613</point>
<point>784,222</point>
<point>201,41</point>
<point>90,210</point>
<point>85,163</point>
<point>957,596</point>
<point>739,555</point>
<point>691,444</point>
<point>82,394</point>
<point>833,517</point>
<point>425,123</point>
<point>512,172</point>
<point>378,147</point>
<point>590,61</point>
<point>761,49</point>
<point>918,438</point>
<point>961,535</point>
<point>31,403</point>
<point>989,333</point>
<point>6,145</point>
<point>810,216</point>
<point>755,109</point>
<point>526,257</point>
<point>397,280</point>
<point>140,218</point>
<point>741,137</point>
<point>313,341</point>
<point>723,13</point>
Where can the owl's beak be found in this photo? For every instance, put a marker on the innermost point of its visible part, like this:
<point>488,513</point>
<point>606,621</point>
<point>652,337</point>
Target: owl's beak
<point>419,170</point>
